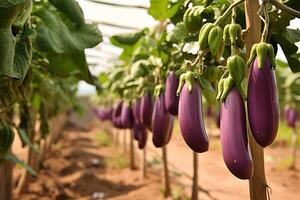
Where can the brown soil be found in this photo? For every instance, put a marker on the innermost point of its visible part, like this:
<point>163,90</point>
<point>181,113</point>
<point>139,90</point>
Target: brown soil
<point>76,169</point>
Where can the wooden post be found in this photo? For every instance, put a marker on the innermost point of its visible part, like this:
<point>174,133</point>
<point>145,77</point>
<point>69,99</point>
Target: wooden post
<point>195,177</point>
<point>131,156</point>
<point>257,184</point>
<point>125,141</point>
<point>2,182</point>
<point>144,167</point>
<point>6,182</point>
<point>294,148</point>
<point>167,188</point>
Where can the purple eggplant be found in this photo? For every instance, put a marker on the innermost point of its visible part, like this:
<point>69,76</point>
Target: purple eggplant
<point>136,111</point>
<point>190,118</point>
<point>161,120</point>
<point>234,136</point>
<point>136,131</point>
<point>126,117</point>
<point>170,130</point>
<point>142,139</point>
<point>171,98</point>
<point>117,114</point>
<point>146,109</point>
<point>263,108</point>
<point>292,118</point>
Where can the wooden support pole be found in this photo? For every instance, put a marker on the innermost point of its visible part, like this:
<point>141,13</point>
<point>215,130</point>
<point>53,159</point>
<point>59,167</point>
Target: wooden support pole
<point>258,183</point>
<point>195,177</point>
<point>167,188</point>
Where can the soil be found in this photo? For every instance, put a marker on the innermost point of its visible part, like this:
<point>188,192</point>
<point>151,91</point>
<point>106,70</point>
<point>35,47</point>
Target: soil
<point>77,169</point>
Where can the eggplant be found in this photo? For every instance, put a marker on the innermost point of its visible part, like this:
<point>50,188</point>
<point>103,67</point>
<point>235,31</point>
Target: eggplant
<point>116,115</point>
<point>146,109</point>
<point>161,120</point>
<point>171,98</point>
<point>126,117</point>
<point>136,111</point>
<point>170,130</point>
<point>142,139</point>
<point>136,131</point>
<point>190,116</point>
<point>263,108</point>
<point>292,118</point>
<point>234,136</point>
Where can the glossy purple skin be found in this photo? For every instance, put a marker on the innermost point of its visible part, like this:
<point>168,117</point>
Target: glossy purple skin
<point>126,117</point>
<point>136,131</point>
<point>136,106</point>
<point>116,115</point>
<point>142,139</point>
<point>170,130</point>
<point>292,118</point>
<point>190,118</point>
<point>234,136</point>
<point>161,120</point>
<point>146,110</point>
<point>263,108</point>
<point>171,98</point>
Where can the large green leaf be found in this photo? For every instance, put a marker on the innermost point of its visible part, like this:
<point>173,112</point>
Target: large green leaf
<point>54,36</point>
<point>162,9</point>
<point>9,3</point>
<point>71,9</point>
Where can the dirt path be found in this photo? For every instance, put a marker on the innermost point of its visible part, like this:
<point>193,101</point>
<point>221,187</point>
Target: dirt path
<point>77,169</point>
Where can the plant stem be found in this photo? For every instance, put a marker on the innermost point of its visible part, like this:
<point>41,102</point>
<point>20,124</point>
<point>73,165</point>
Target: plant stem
<point>225,14</point>
<point>266,23</point>
<point>285,8</point>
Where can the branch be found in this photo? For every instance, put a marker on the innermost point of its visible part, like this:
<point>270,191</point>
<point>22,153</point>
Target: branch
<point>285,8</point>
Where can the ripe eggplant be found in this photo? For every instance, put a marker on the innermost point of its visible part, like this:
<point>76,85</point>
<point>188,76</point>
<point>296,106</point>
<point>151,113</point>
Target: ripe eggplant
<point>136,131</point>
<point>234,136</point>
<point>263,108</point>
<point>292,118</point>
<point>142,139</point>
<point>126,117</point>
<point>161,120</point>
<point>146,110</point>
<point>190,116</point>
<point>170,130</point>
<point>171,98</point>
<point>136,111</point>
<point>116,115</point>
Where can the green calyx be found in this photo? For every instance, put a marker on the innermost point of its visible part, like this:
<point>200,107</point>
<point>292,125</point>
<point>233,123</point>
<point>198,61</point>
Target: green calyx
<point>236,68</point>
<point>192,19</point>
<point>233,35</point>
<point>232,78</point>
<point>181,83</point>
<point>203,35</point>
<point>215,39</point>
<point>189,79</point>
<point>158,90</point>
<point>262,50</point>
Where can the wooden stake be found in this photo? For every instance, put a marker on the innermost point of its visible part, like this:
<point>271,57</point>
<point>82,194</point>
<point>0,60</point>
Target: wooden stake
<point>195,177</point>
<point>132,157</point>
<point>167,188</point>
<point>257,184</point>
<point>294,148</point>
<point>144,167</point>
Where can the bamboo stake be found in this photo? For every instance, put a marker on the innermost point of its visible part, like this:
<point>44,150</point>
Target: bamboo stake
<point>167,188</point>
<point>195,177</point>
<point>144,167</point>
<point>257,184</point>
<point>294,148</point>
<point>132,157</point>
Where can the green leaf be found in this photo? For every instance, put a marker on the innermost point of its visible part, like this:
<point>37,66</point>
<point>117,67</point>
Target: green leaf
<point>178,34</point>
<point>14,158</point>
<point>25,139</point>
<point>6,4</point>
<point>161,9</point>
<point>71,9</point>
<point>122,40</point>
<point>289,49</point>
<point>54,36</point>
